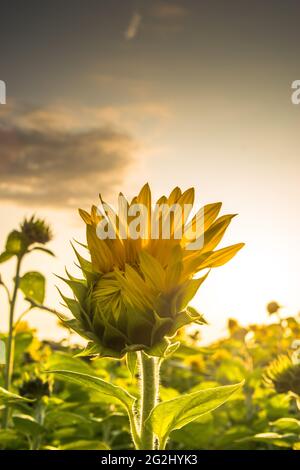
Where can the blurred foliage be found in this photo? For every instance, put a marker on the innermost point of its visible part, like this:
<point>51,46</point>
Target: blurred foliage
<point>56,414</point>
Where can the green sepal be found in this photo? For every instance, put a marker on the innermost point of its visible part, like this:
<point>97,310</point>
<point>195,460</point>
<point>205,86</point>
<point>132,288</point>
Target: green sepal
<point>187,291</point>
<point>171,349</point>
<point>131,362</point>
<point>86,267</point>
<point>91,349</point>
<point>78,287</point>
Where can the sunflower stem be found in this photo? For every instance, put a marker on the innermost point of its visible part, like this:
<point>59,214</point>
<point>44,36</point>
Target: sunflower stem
<point>11,340</point>
<point>149,378</point>
<point>39,414</point>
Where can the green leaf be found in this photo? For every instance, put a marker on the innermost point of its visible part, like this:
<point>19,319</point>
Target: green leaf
<point>5,256</point>
<point>185,350</point>
<point>45,250</point>
<point>32,284</point>
<point>9,398</point>
<point>23,341</point>
<point>99,385</point>
<point>57,418</point>
<point>287,424</point>
<point>26,424</point>
<point>63,361</point>
<point>279,440</point>
<point>176,413</point>
<point>85,445</point>
<point>10,439</point>
<point>15,243</point>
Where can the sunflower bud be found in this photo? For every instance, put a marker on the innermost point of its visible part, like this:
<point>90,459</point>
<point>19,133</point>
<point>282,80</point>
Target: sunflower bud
<point>273,307</point>
<point>284,375</point>
<point>35,230</point>
<point>135,290</point>
<point>35,388</point>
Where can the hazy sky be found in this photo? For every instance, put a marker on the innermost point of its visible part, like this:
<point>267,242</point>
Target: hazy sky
<point>103,96</point>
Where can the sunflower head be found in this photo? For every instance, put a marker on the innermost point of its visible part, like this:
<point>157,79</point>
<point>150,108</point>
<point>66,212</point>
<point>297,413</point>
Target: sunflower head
<point>35,388</point>
<point>35,230</point>
<point>273,307</point>
<point>284,375</point>
<point>143,270</point>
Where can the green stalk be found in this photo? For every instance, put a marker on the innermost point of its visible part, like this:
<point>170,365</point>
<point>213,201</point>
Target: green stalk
<point>149,370</point>
<point>11,340</point>
<point>40,417</point>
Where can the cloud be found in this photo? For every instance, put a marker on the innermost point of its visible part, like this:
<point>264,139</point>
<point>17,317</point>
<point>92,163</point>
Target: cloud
<point>165,17</point>
<point>169,11</point>
<point>134,26</point>
<point>47,159</point>
<point>158,17</point>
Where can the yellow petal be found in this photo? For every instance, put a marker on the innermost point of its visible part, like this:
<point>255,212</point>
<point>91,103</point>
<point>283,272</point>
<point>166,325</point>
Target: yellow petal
<point>174,268</point>
<point>144,198</point>
<point>215,233</point>
<point>101,256</point>
<point>152,270</point>
<point>186,202</point>
<point>201,221</point>
<point>174,196</point>
<point>220,257</point>
<point>85,216</point>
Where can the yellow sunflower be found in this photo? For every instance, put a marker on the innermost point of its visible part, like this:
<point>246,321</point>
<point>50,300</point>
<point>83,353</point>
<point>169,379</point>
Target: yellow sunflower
<point>135,290</point>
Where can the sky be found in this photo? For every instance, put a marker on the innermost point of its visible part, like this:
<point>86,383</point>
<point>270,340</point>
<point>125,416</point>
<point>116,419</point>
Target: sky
<point>105,96</point>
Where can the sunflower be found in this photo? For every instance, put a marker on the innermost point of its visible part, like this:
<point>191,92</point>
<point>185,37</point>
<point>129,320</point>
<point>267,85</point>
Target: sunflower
<point>136,290</point>
<point>284,375</point>
<point>35,230</point>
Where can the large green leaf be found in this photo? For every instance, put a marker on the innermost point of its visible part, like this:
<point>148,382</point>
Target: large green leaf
<point>8,398</point>
<point>174,414</point>
<point>32,284</point>
<point>99,385</point>
<point>63,361</point>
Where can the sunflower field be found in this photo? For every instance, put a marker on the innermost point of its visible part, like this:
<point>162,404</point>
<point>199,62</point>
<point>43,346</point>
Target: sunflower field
<point>65,415</point>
